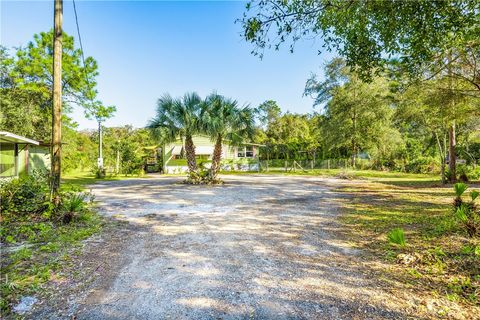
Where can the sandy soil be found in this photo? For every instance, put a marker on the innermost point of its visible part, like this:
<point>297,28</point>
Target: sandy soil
<point>258,247</point>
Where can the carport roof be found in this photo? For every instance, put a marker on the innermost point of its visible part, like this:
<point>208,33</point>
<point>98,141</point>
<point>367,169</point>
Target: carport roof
<point>8,137</point>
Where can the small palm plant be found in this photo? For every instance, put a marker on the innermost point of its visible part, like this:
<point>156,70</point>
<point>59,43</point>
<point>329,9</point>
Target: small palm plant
<point>460,189</point>
<point>73,204</point>
<point>467,213</point>
<point>397,237</point>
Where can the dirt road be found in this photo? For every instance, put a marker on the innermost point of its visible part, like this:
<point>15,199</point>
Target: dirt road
<point>258,247</point>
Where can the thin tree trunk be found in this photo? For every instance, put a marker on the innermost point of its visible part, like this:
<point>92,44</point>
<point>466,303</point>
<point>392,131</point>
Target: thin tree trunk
<point>452,155</point>
<point>57,98</point>
<point>216,158</point>
<point>442,159</point>
<point>452,163</point>
<point>117,162</point>
<point>354,142</point>
<point>190,154</point>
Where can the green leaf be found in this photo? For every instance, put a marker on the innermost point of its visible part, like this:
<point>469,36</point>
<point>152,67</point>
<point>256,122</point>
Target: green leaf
<point>460,188</point>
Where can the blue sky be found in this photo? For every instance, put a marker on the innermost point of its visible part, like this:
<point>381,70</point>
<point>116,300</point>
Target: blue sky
<point>145,49</point>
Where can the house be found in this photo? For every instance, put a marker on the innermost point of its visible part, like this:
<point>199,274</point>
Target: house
<point>243,157</point>
<point>20,155</point>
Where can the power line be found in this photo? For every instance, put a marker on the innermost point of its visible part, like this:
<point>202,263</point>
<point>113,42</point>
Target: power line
<point>81,48</point>
<point>100,157</point>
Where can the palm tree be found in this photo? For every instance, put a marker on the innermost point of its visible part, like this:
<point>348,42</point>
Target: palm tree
<point>222,118</point>
<point>179,118</point>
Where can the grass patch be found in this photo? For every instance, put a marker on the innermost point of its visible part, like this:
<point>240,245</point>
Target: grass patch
<point>37,253</point>
<point>39,235</point>
<point>387,177</point>
<point>78,180</point>
<point>439,259</point>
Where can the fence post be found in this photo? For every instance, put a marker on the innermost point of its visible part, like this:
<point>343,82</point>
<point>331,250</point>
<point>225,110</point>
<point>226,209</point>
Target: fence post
<point>286,165</point>
<point>328,164</point>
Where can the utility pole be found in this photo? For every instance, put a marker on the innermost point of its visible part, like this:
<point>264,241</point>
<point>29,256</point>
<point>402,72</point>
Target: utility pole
<point>100,152</point>
<point>57,96</point>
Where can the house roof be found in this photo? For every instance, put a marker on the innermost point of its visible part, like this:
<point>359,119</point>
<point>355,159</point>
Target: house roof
<point>226,141</point>
<point>8,137</point>
<point>199,150</point>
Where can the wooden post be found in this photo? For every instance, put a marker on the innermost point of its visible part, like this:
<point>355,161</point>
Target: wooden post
<point>100,150</point>
<point>57,97</point>
<point>15,159</point>
<point>27,162</point>
<point>268,158</point>
<point>117,163</point>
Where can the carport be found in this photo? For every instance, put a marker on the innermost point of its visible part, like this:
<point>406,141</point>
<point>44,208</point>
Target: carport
<point>10,146</point>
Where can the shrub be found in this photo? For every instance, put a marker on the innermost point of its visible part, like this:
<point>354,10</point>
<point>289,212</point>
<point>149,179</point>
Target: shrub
<point>397,237</point>
<point>467,212</point>
<point>422,165</point>
<point>468,173</point>
<point>25,195</point>
<point>28,213</point>
<point>100,173</point>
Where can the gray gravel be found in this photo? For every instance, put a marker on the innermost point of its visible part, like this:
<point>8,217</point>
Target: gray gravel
<point>258,247</point>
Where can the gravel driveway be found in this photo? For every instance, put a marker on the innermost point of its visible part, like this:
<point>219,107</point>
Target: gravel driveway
<point>258,247</point>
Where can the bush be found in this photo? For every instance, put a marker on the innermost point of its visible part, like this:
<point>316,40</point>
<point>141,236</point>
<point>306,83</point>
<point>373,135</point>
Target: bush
<point>467,212</point>
<point>397,237</point>
<point>27,211</point>
<point>25,195</point>
<point>100,173</point>
<point>468,173</point>
<point>422,165</point>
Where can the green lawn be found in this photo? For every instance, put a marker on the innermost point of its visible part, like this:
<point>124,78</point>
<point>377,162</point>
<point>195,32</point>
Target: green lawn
<point>398,178</point>
<point>81,179</point>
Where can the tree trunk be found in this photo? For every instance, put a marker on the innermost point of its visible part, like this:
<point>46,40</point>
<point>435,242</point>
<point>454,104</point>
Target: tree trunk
<point>354,142</point>
<point>442,159</point>
<point>452,163</point>
<point>190,154</point>
<point>216,158</point>
<point>354,151</point>
<point>57,98</point>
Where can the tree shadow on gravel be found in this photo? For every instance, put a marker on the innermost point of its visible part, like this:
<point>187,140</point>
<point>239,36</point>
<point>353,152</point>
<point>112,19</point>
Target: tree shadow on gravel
<point>255,248</point>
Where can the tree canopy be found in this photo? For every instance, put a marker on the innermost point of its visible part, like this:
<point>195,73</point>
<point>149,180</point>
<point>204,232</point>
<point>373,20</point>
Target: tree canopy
<point>369,32</point>
<point>26,86</point>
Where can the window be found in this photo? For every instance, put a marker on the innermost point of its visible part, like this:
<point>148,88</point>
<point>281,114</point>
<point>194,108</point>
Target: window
<point>245,152</point>
<point>249,151</point>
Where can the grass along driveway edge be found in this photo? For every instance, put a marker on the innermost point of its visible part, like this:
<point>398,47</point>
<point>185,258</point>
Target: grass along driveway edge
<point>438,265</point>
